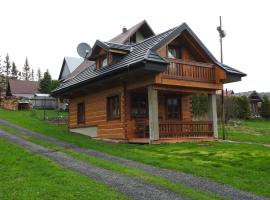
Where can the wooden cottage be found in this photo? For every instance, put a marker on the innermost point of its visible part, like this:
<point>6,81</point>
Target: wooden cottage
<point>139,87</point>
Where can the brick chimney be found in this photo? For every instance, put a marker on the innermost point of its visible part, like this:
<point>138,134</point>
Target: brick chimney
<point>124,29</point>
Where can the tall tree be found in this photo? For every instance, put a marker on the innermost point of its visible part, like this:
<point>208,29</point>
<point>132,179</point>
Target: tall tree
<point>32,75</point>
<point>7,65</point>
<point>26,70</point>
<point>1,67</point>
<point>265,109</point>
<point>14,71</point>
<point>54,84</point>
<point>45,83</point>
<point>39,74</point>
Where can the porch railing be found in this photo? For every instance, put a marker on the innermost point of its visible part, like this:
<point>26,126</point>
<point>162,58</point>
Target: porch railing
<point>190,70</point>
<point>178,129</point>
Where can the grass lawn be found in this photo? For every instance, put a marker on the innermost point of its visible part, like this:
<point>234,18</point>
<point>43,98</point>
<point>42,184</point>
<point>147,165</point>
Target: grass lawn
<point>257,131</point>
<point>28,176</point>
<point>241,165</point>
<point>129,171</point>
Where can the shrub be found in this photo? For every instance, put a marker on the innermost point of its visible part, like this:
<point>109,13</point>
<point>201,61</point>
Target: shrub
<point>199,104</point>
<point>265,108</point>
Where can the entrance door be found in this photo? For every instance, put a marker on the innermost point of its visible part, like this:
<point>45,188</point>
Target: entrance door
<point>139,112</point>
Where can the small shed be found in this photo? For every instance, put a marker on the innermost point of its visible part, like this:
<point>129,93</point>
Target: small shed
<point>255,103</point>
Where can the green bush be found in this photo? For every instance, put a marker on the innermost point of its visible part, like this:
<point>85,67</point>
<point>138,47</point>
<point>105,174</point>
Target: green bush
<point>265,108</point>
<point>199,104</point>
<point>241,107</point>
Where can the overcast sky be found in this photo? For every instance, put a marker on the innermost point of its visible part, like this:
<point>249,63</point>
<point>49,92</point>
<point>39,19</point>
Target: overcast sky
<point>47,30</point>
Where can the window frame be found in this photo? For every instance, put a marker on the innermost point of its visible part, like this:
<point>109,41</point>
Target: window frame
<point>110,115</point>
<point>179,107</point>
<point>178,52</point>
<point>81,113</point>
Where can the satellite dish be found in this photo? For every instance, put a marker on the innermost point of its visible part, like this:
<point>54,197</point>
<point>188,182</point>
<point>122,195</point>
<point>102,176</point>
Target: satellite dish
<point>84,50</point>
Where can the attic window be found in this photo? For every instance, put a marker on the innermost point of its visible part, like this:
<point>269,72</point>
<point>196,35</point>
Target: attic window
<point>104,61</point>
<point>174,52</point>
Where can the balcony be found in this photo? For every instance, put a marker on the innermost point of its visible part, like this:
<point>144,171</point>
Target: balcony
<point>190,71</point>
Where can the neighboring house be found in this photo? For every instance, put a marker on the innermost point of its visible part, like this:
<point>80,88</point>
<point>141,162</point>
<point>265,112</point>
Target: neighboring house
<point>68,66</point>
<point>225,92</point>
<point>22,88</point>
<point>140,87</point>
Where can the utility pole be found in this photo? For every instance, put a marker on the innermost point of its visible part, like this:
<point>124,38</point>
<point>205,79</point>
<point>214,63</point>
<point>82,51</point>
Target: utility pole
<point>222,34</point>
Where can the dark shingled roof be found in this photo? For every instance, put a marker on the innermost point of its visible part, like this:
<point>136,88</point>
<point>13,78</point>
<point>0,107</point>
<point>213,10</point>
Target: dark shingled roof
<point>138,53</point>
<point>23,87</point>
<point>143,51</point>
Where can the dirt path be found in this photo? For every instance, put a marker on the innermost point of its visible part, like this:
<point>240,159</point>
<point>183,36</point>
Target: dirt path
<point>174,176</point>
<point>131,187</point>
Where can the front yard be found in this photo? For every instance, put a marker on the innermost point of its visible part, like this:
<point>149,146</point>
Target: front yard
<point>28,176</point>
<point>243,166</point>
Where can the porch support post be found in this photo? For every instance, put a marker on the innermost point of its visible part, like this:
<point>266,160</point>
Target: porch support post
<point>212,113</point>
<point>153,114</point>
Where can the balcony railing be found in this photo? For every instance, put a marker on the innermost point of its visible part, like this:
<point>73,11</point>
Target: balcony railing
<point>178,129</point>
<point>190,70</point>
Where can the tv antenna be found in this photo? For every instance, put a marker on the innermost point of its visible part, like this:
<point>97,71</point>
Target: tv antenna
<point>84,50</point>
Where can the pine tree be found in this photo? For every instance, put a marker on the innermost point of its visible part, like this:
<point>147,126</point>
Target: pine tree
<point>7,65</point>
<point>14,71</point>
<point>45,83</point>
<point>19,75</point>
<point>1,67</point>
<point>26,70</point>
<point>265,109</point>
<point>39,74</point>
<point>54,84</point>
<point>32,76</point>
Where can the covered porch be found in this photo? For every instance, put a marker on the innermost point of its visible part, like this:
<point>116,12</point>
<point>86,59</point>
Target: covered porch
<point>165,116</point>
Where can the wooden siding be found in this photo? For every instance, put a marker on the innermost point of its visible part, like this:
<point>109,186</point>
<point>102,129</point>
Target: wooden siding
<point>186,107</point>
<point>96,113</point>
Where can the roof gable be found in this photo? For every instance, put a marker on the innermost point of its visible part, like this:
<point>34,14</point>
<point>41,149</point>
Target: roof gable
<point>142,27</point>
<point>106,46</point>
<point>69,65</point>
<point>184,27</point>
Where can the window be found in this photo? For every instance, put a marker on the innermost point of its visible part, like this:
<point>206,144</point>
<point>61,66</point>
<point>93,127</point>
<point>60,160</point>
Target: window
<point>104,61</point>
<point>174,52</point>
<point>116,57</point>
<point>101,61</point>
<point>113,107</point>
<point>81,113</point>
<point>139,105</point>
<point>172,105</point>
